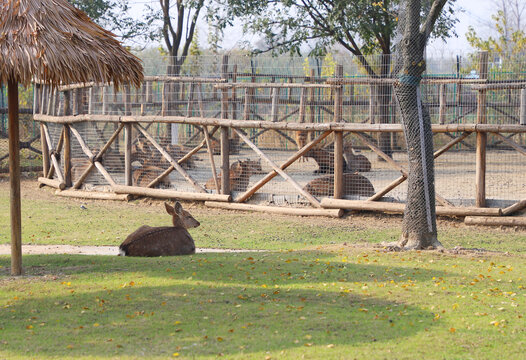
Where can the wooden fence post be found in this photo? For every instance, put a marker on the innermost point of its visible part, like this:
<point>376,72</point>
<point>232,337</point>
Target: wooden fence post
<point>523,107</point>
<point>338,137</point>
<point>480,173</point>
<point>67,138</point>
<point>442,107</point>
<point>225,144</point>
<point>127,138</point>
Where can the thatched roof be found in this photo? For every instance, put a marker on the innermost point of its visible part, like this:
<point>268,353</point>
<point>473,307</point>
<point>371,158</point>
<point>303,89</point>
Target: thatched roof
<point>52,41</point>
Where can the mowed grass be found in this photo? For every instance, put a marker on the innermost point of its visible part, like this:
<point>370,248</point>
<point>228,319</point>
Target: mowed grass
<point>346,303</point>
<point>312,295</point>
<point>47,219</point>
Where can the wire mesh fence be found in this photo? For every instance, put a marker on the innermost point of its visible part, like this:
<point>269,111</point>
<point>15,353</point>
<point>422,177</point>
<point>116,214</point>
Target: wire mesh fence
<point>292,90</point>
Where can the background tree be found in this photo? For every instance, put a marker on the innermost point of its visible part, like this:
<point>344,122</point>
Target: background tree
<point>362,27</point>
<point>114,15</point>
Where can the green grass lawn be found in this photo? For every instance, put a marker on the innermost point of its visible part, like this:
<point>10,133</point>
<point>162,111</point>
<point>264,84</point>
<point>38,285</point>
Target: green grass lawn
<point>336,305</point>
<point>310,296</point>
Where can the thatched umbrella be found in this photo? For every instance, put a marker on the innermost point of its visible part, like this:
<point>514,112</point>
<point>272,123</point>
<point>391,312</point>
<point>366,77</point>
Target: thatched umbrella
<point>53,42</point>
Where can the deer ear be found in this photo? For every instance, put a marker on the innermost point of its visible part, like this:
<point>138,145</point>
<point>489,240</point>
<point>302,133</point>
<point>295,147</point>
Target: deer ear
<point>169,209</point>
<point>178,207</point>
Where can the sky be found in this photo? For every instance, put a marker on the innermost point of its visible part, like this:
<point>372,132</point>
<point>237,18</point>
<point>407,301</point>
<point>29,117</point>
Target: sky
<point>476,13</point>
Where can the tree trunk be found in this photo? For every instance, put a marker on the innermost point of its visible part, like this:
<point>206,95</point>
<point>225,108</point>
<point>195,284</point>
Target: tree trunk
<point>419,225</point>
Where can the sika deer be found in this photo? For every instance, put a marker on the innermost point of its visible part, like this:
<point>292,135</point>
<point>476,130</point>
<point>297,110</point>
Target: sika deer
<point>240,173</point>
<point>145,174</point>
<point>353,184</point>
<point>355,162</point>
<point>165,240</point>
<point>325,159</point>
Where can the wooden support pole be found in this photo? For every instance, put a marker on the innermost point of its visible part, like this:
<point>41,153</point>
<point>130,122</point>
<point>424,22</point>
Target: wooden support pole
<point>277,169</point>
<point>311,98</point>
<point>128,155</point>
<point>14,178</point>
<point>246,109</point>
<point>480,172</point>
<point>335,213</point>
<point>225,161</point>
<point>495,221</point>
<point>274,109</point>
<point>285,165</point>
<point>168,194</point>
<point>67,155</point>
<point>442,108</point>
<point>522,115</point>
<point>105,90</point>
<point>234,95</point>
<point>91,95</point>
<point>45,151</point>
<point>338,137</point>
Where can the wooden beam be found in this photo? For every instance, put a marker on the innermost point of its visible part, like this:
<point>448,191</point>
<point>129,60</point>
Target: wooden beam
<point>169,158</point>
<point>94,195</point>
<point>245,196</point>
<point>169,194</point>
<point>262,155</point>
<point>335,213</point>
<point>399,208</point>
<point>52,182</point>
<point>512,209</point>
<point>495,221</point>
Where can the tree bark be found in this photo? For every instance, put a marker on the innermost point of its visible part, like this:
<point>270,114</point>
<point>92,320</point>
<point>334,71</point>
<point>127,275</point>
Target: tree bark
<point>419,225</point>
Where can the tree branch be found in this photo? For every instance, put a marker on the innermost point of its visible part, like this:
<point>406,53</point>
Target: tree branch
<point>432,17</point>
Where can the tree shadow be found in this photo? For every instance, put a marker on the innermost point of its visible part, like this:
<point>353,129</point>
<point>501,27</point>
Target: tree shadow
<point>202,305</point>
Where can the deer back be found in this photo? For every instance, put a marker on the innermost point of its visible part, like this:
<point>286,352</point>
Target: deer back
<point>158,241</point>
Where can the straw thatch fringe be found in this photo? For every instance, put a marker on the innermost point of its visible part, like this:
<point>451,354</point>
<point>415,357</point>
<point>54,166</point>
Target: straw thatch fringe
<point>54,42</point>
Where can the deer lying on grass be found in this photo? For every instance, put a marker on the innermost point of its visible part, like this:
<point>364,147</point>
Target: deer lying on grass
<point>240,173</point>
<point>164,240</point>
<point>353,184</point>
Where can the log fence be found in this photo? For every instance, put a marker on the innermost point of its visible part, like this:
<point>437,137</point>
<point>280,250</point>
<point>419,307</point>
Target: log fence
<point>239,125</point>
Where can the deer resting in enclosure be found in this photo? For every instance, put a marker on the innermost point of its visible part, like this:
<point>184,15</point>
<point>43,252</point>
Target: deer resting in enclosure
<point>325,160</point>
<point>353,184</point>
<point>164,240</point>
<point>240,173</point>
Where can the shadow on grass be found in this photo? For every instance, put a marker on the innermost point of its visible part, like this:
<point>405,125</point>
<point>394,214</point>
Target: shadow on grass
<point>198,306</point>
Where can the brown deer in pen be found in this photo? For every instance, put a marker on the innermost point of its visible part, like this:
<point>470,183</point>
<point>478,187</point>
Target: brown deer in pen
<point>325,159</point>
<point>240,173</point>
<point>144,174</point>
<point>353,184</point>
<point>355,162</point>
<point>164,240</point>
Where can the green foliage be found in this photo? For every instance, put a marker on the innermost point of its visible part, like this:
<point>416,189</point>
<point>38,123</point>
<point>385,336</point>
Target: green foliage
<point>114,16</point>
<point>362,27</point>
<point>505,44</point>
